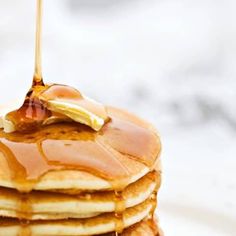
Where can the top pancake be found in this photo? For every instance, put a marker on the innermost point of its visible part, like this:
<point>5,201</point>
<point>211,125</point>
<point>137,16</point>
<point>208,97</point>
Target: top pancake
<point>71,156</point>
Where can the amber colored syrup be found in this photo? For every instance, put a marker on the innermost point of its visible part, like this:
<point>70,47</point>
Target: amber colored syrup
<point>30,116</point>
<point>25,229</point>
<point>153,197</point>
<point>32,113</point>
<point>38,78</point>
<point>119,211</point>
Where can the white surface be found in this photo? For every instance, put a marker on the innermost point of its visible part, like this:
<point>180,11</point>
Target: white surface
<point>170,61</point>
<point>198,192</point>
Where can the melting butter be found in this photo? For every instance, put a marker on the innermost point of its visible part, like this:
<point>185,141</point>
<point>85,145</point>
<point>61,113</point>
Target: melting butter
<point>69,102</point>
<point>63,103</point>
<point>76,113</point>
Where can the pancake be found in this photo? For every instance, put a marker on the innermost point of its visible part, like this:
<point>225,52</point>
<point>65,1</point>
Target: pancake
<point>68,179</point>
<point>144,228</point>
<point>102,224</point>
<point>72,156</point>
<point>44,205</point>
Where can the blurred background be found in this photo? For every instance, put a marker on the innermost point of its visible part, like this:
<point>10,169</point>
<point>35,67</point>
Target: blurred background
<point>173,62</point>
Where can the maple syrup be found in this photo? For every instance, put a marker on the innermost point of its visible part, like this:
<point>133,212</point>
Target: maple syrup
<point>25,229</point>
<point>120,208</point>
<point>38,78</point>
<point>153,198</point>
<point>32,113</point>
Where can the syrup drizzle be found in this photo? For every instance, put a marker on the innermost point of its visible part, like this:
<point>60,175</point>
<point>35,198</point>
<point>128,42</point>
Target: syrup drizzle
<point>119,212</point>
<point>38,78</point>
<point>33,113</point>
<point>25,229</point>
<point>32,109</point>
<point>153,198</point>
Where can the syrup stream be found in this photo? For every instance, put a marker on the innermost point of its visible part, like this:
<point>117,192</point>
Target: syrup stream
<point>38,79</point>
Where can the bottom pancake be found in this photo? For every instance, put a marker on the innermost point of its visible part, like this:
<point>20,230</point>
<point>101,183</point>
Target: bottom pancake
<point>143,228</point>
<point>102,224</point>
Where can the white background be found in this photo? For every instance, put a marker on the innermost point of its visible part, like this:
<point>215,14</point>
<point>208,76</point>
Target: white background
<point>171,62</point>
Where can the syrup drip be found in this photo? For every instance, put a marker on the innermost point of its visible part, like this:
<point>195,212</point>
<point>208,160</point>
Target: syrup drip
<point>25,212</point>
<point>119,211</point>
<point>153,197</point>
<point>154,204</point>
<point>25,229</point>
<point>25,207</point>
<point>30,116</point>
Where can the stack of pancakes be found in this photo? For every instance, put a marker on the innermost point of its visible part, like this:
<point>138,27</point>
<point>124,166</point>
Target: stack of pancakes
<point>66,179</point>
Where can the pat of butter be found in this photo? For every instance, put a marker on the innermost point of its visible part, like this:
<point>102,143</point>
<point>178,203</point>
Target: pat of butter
<point>70,103</point>
<point>84,111</point>
<point>76,112</point>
